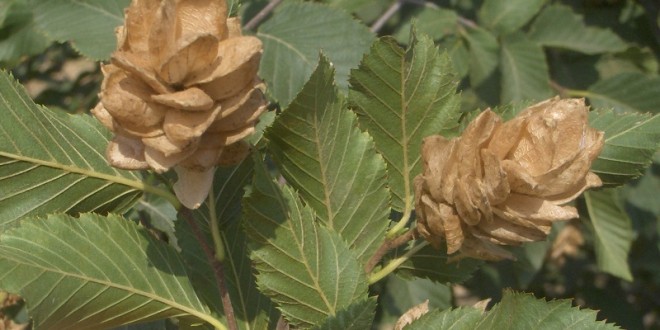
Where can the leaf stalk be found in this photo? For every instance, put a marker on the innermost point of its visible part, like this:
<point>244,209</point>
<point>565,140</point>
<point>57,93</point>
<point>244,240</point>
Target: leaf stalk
<point>218,271</point>
<point>215,228</point>
<point>395,263</point>
<point>407,212</point>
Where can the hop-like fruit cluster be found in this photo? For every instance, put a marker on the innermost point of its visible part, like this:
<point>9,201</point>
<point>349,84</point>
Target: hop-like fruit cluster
<point>181,92</point>
<point>505,183</point>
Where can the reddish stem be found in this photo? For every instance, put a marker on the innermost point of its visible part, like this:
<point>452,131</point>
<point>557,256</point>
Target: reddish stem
<point>387,247</point>
<point>218,269</point>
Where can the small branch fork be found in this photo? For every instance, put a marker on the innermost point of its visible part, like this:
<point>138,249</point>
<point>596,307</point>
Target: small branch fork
<point>389,245</point>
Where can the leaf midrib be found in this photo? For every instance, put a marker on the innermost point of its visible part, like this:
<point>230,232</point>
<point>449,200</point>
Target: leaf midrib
<point>173,304</point>
<point>287,45</point>
<point>119,19</point>
<point>139,185</point>
<point>404,135</point>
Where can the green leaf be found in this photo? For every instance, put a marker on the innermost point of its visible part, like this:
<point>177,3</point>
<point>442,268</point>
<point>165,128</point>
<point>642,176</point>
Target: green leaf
<point>18,37</point>
<point>54,162</point>
<point>349,5</point>
<point>332,164</point>
<point>484,54</point>
<point>434,265</point>
<point>531,313</point>
<point>5,10</point>
<point>88,24</point>
<point>643,193</point>
<point>435,22</point>
<point>252,309</point>
<point>357,316</point>
<point>558,26</point>
<point>159,214</point>
<point>302,266</point>
<point>458,53</point>
<point>612,232</point>
<point>524,70</point>
<point>515,311</point>
<point>400,98</point>
<point>293,38</point>
<point>95,272</point>
<point>400,295</point>
<point>630,142</point>
<point>634,59</point>
<point>627,92</point>
<point>265,121</point>
<point>463,318</point>
<point>508,16</point>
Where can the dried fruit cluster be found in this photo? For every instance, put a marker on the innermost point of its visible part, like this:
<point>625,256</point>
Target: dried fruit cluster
<point>181,91</point>
<point>505,183</point>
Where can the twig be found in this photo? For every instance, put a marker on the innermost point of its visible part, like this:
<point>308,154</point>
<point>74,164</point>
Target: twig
<point>261,15</point>
<point>218,269</point>
<point>387,246</point>
<point>396,5</point>
<point>467,22</point>
<point>424,3</point>
<point>407,213</point>
<point>561,90</point>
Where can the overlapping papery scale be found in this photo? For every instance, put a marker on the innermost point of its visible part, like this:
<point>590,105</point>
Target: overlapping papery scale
<point>505,183</point>
<point>181,92</point>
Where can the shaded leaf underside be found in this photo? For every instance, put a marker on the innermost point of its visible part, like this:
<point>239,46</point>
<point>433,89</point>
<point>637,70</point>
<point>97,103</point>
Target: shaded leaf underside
<point>630,142</point>
<point>612,231</point>
<point>253,310</point>
<point>93,272</point>
<point>54,162</point>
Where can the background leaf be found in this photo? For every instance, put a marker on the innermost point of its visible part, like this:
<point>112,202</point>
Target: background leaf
<point>288,246</point>
<point>458,53</point>
<point>524,70</point>
<point>515,311</point>
<point>158,214</point>
<point>627,92</point>
<point>460,318</point>
<point>434,265</point>
<point>508,16</point>
<point>532,313</point>
<point>484,54</point>
<point>633,59</point>
<point>630,142</point>
<point>643,193</point>
<point>88,24</point>
<point>296,34</point>
<point>612,231</point>
<point>400,98</point>
<point>558,26</point>
<point>252,309</point>
<point>18,36</point>
<point>94,272</point>
<point>435,22</point>
<point>54,162</point>
<point>332,164</point>
<point>401,294</point>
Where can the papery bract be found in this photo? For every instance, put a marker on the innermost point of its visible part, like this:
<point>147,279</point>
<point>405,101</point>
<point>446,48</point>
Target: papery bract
<point>181,91</point>
<point>505,183</point>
